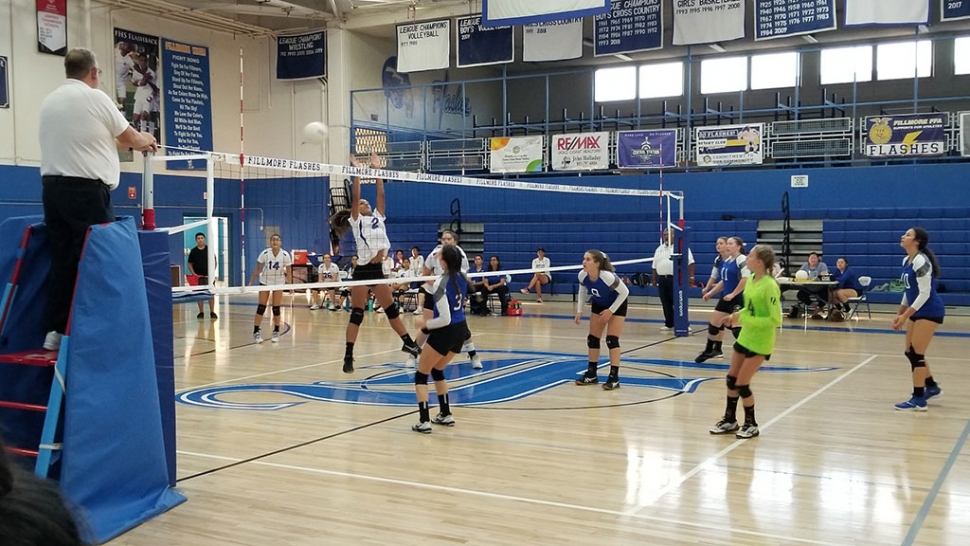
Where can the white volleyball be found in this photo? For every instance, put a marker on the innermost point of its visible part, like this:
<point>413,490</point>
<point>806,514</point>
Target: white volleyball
<point>801,275</point>
<point>316,132</point>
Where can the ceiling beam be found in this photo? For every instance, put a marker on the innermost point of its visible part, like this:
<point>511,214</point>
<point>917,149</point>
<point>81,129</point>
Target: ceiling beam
<point>398,14</point>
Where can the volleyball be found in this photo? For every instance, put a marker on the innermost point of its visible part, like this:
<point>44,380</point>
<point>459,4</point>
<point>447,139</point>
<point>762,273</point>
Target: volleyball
<point>801,275</point>
<point>316,132</point>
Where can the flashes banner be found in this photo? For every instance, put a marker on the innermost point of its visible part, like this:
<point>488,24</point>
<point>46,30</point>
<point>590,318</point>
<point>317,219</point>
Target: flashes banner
<point>729,145</point>
<point>911,134</point>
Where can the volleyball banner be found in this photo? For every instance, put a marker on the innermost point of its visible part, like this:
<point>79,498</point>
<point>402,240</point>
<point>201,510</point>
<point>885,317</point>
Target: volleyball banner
<point>708,22</point>
<point>188,104</point>
<point>629,27</point>
<point>729,145</point>
<point>554,41</point>
<point>886,12</point>
<point>954,9</point>
<point>516,154</point>
<point>424,46</point>
<point>301,57</point>
<point>646,149</point>
<point>478,45</point>
<point>774,20</point>
<point>581,152</point>
<point>911,134</point>
<point>518,12</point>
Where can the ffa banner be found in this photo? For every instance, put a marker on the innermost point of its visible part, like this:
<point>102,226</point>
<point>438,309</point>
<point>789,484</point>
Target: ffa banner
<point>730,145</point>
<point>424,46</point>
<point>628,27</point>
<point>301,57</point>
<point>516,154</point>
<point>955,9</point>
<point>478,45</point>
<point>188,104</point>
<point>586,151</point>
<point>777,20</point>
<point>886,12</point>
<point>52,26</point>
<point>697,22</point>
<point>646,149</point>
<point>555,41</point>
<point>520,12</point>
<point>911,134</point>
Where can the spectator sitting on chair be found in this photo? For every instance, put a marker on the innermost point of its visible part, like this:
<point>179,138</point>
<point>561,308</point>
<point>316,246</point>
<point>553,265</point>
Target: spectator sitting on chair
<point>476,288</point>
<point>663,277</point>
<point>848,287</point>
<point>199,266</point>
<point>398,260</point>
<point>495,284</point>
<point>541,277</point>
<point>814,295</point>
<point>405,274</point>
<point>417,261</point>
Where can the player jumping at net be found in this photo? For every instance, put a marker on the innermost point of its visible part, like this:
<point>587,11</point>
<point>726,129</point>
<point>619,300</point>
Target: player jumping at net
<point>273,267</point>
<point>609,305</point>
<point>370,233</point>
<point>733,276</point>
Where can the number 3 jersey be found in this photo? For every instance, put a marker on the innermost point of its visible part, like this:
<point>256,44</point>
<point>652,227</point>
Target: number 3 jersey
<point>274,266</point>
<point>449,301</point>
<point>920,288</point>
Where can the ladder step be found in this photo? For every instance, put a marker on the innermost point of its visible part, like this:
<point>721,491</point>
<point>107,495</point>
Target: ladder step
<point>24,407</point>
<point>22,452</point>
<point>36,357</point>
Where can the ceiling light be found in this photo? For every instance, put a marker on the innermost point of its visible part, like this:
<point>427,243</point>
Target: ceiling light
<point>810,39</point>
<point>717,47</point>
<point>623,57</point>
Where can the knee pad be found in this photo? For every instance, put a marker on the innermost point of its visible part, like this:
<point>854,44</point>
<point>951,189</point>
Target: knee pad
<point>260,309</point>
<point>732,382</point>
<point>357,316</point>
<point>420,378</point>
<point>720,328</point>
<point>736,331</point>
<point>392,312</point>
<point>744,391</point>
<point>437,375</point>
<point>713,330</point>
<point>592,342</point>
<point>276,310</point>
<point>916,360</point>
<point>612,342</point>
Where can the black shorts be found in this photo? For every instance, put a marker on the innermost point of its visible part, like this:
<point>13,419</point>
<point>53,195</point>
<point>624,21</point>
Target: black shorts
<point>621,312</point>
<point>733,306</point>
<point>369,272</point>
<point>748,353</point>
<point>428,299</point>
<point>449,339</point>
<point>938,320</point>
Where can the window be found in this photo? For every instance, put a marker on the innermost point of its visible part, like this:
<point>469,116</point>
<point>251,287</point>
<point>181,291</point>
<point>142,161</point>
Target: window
<point>846,65</point>
<point>961,56</point>
<point>774,70</point>
<point>724,75</point>
<point>904,59</point>
<point>662,80</point>
<point>612,84</point>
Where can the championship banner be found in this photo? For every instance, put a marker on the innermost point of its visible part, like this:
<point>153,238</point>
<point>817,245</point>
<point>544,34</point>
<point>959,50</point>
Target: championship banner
<point>581,152</point>
<point>629,27</point>
<point>886,12</point>
<point>52,26</point>
<point>521,12</point>
<point>516,154</point>
<point>554,41</point>
<point>910,134</point>
<point>188,104</point>
<point>774,20</point>
<point>729,145</point>
<point>646,149</point>
<point>952,10</point>
<point>964,133</point>
<point>424,46</point>
<point>137,83</point>
<point>695,23</point>
<point>478,45</point>
<point>301,57</point>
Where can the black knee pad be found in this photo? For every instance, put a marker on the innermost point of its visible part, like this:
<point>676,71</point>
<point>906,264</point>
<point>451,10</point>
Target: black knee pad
<point>392,312</point>
<point>612,342</point>
<point>713,331</point>
<point>357,316</point>
<point>437,375</point>
<point>592,342</point>
<point>420,378</point>
<point>916,360</point>
<point>744,391</point>
<point>276,310</point>
<point>736,331</point>
<point>720,328</point>
<point>732,382</point>
<point>260,309</point>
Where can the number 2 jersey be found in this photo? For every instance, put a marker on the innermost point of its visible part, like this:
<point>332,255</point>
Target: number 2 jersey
<point>449,301</point>
<point>274,266</point>
<point>920,288</point>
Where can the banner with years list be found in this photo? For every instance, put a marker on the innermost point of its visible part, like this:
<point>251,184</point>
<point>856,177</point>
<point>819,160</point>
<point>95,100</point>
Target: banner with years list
<point>188,104</point>
<point>707,22</point>
<point>516,154</point>
<point>424,46</point>
<point>774,19</point>
<point>631,25</point>
<point>729,145</point>
<point>910,134</point>
<point>581,152</point>
<point>478,45</point>
<point>301,57</point>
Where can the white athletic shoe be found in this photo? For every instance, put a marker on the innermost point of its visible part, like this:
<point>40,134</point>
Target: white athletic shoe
<point>418,311</point>
<point>314,307</point>
<point>257,337</point>
<point>524,290</point>
<point>53,341</point>
<point>411,362</point>
<point>276,337</point>
<point>477,362</point>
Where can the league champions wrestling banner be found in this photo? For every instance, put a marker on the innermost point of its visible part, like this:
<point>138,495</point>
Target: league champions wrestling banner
<point>301,56</point>
<point>646,149</point>
<point>424,46</point>
<point>707,22</point>
<point>523,12</point>
<point>729,145</point>
<point>516,154</point>
<point>886,12</point>
<point>581,152</point>
<point>906,135</point>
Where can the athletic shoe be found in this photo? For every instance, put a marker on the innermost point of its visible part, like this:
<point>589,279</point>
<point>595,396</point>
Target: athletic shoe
<point>747,431</point>
<point>53,341</point>
<point>348,364</point>
<point>611,383</point>
<point>314,307</point>
<point>524,290</point>
<point>424,427</point>
<point>200,316</point>
<point>335,309</point>
<point>538,300</point>
<point>411,362</point>
<point>587,380</point>
<point>442,419</point>
<point>276,337</point>
<point>665,328</point>
<point>477,362</point>
<point>379,310</point>
<point>932,392</point>
<point>724,427</point>
<point>717,354</point>
<point>705,356</point>
<point>257,337</point>
<point>414,349</point>
<point>417,311</point>
<point>913,404</point>
<point>213,316</point>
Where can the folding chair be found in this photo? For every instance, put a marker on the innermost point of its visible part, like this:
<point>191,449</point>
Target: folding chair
<point>862,298</point>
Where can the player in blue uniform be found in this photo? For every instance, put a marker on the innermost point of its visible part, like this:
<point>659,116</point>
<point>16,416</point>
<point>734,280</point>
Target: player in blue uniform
<point>446,331</point>
<point>921,312</point>
<point>609,303</point>
<point>733,276</point>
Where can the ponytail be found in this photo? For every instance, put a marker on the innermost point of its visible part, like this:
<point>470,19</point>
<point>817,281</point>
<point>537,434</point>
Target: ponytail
<point>923,239</point>
<point>340,222</point>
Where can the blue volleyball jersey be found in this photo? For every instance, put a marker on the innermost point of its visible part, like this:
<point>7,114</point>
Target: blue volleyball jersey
<point>449,302</point>
<point>920,287</point>
<point>716,271</point>
<point>732,271</point>
<point>606,291</point>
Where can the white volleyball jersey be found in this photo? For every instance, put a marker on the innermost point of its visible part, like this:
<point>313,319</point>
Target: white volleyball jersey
<point>434,264</point>
<point>370,233</point>
<point>274,266</point>
<point>328,274</point>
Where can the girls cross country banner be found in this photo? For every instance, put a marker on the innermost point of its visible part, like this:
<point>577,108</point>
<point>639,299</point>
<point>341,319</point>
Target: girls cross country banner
<point>646,149</point>
<point>777,20</point>
<point>954,9</point>
<point>478,45</point>
<point>707,21</point>
<point>631,25</point>
<point>912,134</point>
<point>424,46</point>
<point>554,41</point>
<point>516,154</point>
<point>886,12</point>
<point>581,152</point>
<point>522,12</point>
<point>729,145</point>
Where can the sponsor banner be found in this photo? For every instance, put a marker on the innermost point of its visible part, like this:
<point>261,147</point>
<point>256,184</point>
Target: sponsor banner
<point>778,19</point>
<point>729,145</point>
<point>188,104</point>
<point>553,41</point>
<point>581,152</point>
<point>708,21</point>
<point>424,46</point>
<point>906,135</point>
<point>631,25</point>
<point>52,26</point>
<point>516,154</point>
<point>954,9</point>
<point>646,149</point>
<point>886,12</point>
<point>301,57</point>
<point>478,45</point>
<point>520,12</point>
<point>137,82</point>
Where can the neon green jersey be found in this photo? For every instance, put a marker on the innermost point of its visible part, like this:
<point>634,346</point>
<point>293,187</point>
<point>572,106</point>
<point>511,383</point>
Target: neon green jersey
<point>761,315</point>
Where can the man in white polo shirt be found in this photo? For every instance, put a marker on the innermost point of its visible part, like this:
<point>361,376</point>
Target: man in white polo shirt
<point>81,131</point>
<point>663,271</point>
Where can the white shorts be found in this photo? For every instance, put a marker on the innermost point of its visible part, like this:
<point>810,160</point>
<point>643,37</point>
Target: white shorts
<point>143,100</point>
<point>121,91</point>
<point>269,281</point>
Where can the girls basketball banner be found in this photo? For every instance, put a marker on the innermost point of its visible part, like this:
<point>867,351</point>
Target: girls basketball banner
<point>516,154</point>
<point>646,149</point>
<point>581,152</point>
<point>478,45</point>
<point>519,12</point>
<point>554,41</point>
<point>912,134</point>
<point>301,57</point>
<point>777,20</point>
<point>188,104</point>
<point>424,46</point>
<point>629,27</point>
<point>729,145</point>
<point>954,9</point>
<point>707,22</point>
<point>886,12</point>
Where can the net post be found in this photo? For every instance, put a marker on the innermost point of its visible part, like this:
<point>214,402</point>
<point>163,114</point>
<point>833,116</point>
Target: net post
<point>148,192</point>
<point>681,280</point>
<point>212,228</point>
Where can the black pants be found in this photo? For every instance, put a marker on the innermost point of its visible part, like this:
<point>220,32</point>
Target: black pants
<point>503,296</point>
<point>71,206</point>
<point>665,285</point>
<point>809,295</point>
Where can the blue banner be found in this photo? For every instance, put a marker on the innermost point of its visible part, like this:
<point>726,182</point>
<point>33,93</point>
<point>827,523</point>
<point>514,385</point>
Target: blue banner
<point>773,19</point>
<point>911,134</point>
<point>478,45</point>
<point>519,12</point>
<point>301,57</point>
<point>954,9</point>
<point>646,149</point>
<point>629,26</point>
<point>188,105</point>
<point>4,93</point>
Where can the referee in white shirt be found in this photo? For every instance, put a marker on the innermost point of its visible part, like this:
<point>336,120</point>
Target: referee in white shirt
<point>81,131</point>
<point>663,271</point>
